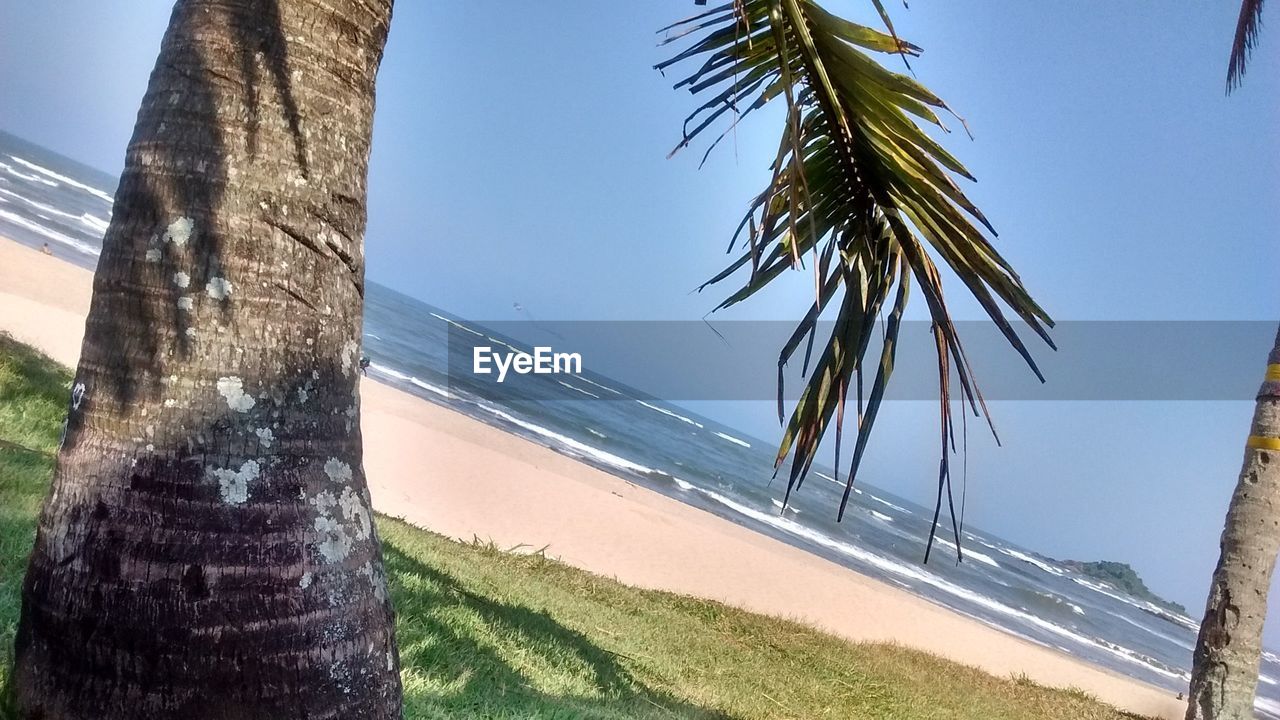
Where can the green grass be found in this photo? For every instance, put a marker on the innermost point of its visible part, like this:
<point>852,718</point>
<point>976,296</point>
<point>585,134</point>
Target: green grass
<point>490,634</point>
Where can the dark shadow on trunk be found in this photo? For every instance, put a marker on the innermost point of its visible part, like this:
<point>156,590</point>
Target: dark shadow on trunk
<point>165,596</point>
<point>176,161</point>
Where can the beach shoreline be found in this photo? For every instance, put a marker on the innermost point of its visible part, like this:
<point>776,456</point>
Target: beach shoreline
<point>454,475</point>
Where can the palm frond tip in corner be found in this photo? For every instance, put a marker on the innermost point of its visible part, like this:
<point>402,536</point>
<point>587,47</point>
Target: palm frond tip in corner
<point>1246,39</point>
<point>861,187</point>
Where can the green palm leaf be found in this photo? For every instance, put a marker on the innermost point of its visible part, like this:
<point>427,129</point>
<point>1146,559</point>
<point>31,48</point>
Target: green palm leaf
<point>862,188</point>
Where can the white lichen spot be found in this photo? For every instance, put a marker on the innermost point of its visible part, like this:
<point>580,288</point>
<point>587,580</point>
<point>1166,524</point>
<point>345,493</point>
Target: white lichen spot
<point>179,231</point>
<point>349,350</point>
<point>376,579</point>
<point>354,511</point>
<point>232,388</point>
<point>181,279</point>
<point>305,582</point>
<point>338,471</point>
<point>233,485</point>
<point>315,374</point>
<point>170,402</point>
<point>351,522</point>
<point>218,288</point>
<point>151,431</point>
<point>191,333</point>
<point>303,395</point>
<point>77,396</point>
<point>265,436</point>
<point>185,303</point>
<point>335,543</point>
<point>153,255</point>
<point>391,663</point>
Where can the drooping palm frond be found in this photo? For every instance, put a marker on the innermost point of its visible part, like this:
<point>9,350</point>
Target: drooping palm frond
<point>859,186</point>
<point>1246,40</point>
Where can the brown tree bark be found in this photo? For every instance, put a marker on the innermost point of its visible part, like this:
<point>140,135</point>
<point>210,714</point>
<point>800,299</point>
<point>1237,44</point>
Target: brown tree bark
<point>1224,677</point>
<point>207,549</point>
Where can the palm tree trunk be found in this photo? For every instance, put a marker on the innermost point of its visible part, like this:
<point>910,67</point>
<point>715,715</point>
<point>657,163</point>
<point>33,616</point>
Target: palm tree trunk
<point>207,549</point>
<point>1224,677</point>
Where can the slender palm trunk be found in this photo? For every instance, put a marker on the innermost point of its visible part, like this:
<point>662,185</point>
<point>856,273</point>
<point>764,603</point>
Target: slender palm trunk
<point>207,549</point>
<point>1224,677</point>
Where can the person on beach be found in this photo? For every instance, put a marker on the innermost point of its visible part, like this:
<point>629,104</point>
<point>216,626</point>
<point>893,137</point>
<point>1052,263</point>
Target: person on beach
<point>45,249</point>
<point>365,362</point>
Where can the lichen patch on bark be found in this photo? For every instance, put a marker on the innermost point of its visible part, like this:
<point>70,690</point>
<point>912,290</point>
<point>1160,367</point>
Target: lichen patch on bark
<point>232,388</point>
<point>218,288</point>
<point>179,231</point>
<point>233,485</point>
<point>338,471</point>
<point>349,350</point>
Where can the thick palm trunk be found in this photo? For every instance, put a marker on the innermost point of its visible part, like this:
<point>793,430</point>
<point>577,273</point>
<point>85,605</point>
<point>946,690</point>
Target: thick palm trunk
<point>207,548</point>
<point>1225,675</point>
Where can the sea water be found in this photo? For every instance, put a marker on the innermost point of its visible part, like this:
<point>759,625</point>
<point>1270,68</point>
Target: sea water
<point>47,198</point>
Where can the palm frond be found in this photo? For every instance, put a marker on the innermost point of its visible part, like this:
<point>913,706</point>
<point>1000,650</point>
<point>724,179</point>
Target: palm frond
<point>858,185</point>
<point>1246,40</point>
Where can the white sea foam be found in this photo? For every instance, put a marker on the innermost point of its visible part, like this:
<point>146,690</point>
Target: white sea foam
<point>597,433</point>
<point>1167,638</point>
<point>571,387</point>
<point>732,439</point>
<point>602,387</point>
<point>664,411</point>
<point>507,345</point>
<point>1268,706</point>
<point>789,508</point>
<point>1144,605</point>
<point>94,223</point>
<point>430,388</point>
<point>580,448</point>
<point>970,554</point>
<point>458,325</point>
<point>1017,555</point>
<point>899,508</point>
<point>825,476</point>
<point>682,484</point>
<point>393,373</point>
<point>369,334</point>
<point>63,179</point>
<point>50,234</point>
<point>390,372</point>
<point>23,176</point>
<point>881,516</point>
<point>38,205</point>
<point>911,573</point>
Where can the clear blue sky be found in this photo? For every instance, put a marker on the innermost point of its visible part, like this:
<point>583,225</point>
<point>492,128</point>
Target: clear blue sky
<point>519,156</point>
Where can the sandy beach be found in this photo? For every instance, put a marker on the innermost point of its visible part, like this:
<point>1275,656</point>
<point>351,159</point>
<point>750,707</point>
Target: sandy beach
<point>454,475</point>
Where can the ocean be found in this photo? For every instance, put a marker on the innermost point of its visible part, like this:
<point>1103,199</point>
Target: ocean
<point>47,198</point>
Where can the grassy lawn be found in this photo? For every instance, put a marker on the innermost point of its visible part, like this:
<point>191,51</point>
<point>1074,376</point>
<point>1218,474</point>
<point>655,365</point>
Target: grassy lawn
<point>489,634</point>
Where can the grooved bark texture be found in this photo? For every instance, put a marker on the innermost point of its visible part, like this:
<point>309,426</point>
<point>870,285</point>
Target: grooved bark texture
<point>1224,676</point>
<point>207,550</point>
